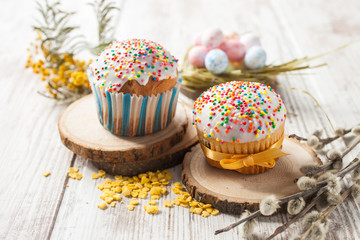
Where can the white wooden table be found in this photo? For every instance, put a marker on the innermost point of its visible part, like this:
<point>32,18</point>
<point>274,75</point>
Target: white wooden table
<point>35,207</point>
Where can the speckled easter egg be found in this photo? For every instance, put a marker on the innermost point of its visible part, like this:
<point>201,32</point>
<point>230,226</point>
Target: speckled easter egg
<point>250,40</point>
<point>255,58</point>
<point>234,50</point>
<point>216,61</point>
<point>197,39</point>
<point>212,38</point>
<point>197,56</point>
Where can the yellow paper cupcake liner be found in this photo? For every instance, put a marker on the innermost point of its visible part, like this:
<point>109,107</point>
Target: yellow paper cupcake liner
<point>242,148</point>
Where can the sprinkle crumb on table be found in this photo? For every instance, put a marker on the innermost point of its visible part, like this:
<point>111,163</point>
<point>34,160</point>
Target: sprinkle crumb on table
<point>46,173</point>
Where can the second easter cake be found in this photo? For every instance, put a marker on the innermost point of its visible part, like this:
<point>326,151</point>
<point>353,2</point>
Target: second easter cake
<point>240,126</point>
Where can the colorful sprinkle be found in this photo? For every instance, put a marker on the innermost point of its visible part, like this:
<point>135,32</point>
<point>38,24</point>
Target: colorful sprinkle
<point>138,58</point>
<point>239,112</point>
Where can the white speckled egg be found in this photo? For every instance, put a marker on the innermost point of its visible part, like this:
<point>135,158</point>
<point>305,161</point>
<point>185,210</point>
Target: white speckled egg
<point>255,58</point>
<point>250,40</point>
<point>212,38</point>
<point>216,61</point>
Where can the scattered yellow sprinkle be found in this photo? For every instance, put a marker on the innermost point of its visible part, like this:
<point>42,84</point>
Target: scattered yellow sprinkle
<point>145,184</point>
<point>73,173</point>
<point>155,191</point>
<point>134,201</point>
<point>102,205</point>
<point>209,210</point>
<point>205,214</point>
<point>142,194</point>
<point>131,207</point>
<point>178,185</point>
<point>73,170</point>
<point>67,185</point>
<point>86,202</point>
<point>176,202</point>
<point>100,174</point>
<point>198,210</point>
<point>126,192</point>
<point>167,203</point>
<point>155,197</point>
<point>117,189</point>
<point>184,200</point>
<point>151,209</point>
<point>215,212</point>
<point>46,173</point>
<point>176,191</point>
<point>117,197</point>
<point>134,193</point>
<point>184,205</point>
<point>77,176</point>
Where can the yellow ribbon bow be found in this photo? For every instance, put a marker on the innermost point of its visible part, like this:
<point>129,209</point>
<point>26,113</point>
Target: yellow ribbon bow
<point>236,161</point>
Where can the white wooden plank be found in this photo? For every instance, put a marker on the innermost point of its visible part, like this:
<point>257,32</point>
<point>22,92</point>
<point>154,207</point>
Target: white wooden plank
<point>30,143</point>
<point>76,219</point>
<point>275,39</point>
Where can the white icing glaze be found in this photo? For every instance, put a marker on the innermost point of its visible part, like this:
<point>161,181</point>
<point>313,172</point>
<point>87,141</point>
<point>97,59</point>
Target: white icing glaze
<point>135,59</point>
<point>242,105</point>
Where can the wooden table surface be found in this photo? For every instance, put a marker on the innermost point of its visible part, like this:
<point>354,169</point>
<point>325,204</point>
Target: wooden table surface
<point>35,207</point>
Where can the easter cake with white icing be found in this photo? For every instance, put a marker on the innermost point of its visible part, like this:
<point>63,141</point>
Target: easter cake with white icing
<point>241,120</point>
<point>136,84</point>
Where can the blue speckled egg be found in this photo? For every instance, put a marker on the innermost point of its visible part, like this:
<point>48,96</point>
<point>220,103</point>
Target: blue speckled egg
<point>255,58</point>
<point>216,61</point>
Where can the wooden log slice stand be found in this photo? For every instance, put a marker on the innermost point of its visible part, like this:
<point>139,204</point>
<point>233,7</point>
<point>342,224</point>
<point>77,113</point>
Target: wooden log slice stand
<point>232,192</point>
<point>82,133</point>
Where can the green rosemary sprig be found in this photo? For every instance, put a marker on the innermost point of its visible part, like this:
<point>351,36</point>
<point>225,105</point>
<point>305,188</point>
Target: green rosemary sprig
<point>57,35</point>
<point>104,11</point>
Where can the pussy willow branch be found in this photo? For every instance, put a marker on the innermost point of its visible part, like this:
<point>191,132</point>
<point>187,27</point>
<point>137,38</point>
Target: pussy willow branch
<point>354,164</point>
<point>321,140</point>
<point>352,146</point>
<point>283,227</point>
<point>251,216</point>
<point>324,214</point>
<point>286,225</point>
<point>297,137</point>
<point>328,165</point>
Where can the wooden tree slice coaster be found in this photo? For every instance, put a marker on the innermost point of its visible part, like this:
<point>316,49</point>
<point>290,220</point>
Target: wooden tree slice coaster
<point>233,192</point>
<point>82,133</point>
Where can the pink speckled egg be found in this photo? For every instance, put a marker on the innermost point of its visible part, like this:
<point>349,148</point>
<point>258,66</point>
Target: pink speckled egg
<point>250,40</point>
<point>234,50</point>
<point>212,38</point>
<point>197,56</point>
<point>197,39</point>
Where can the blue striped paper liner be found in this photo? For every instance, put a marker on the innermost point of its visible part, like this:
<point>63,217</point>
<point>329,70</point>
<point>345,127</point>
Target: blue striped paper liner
<point>142,118</point>
<point>164,110</point>
<point>98,101</point>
